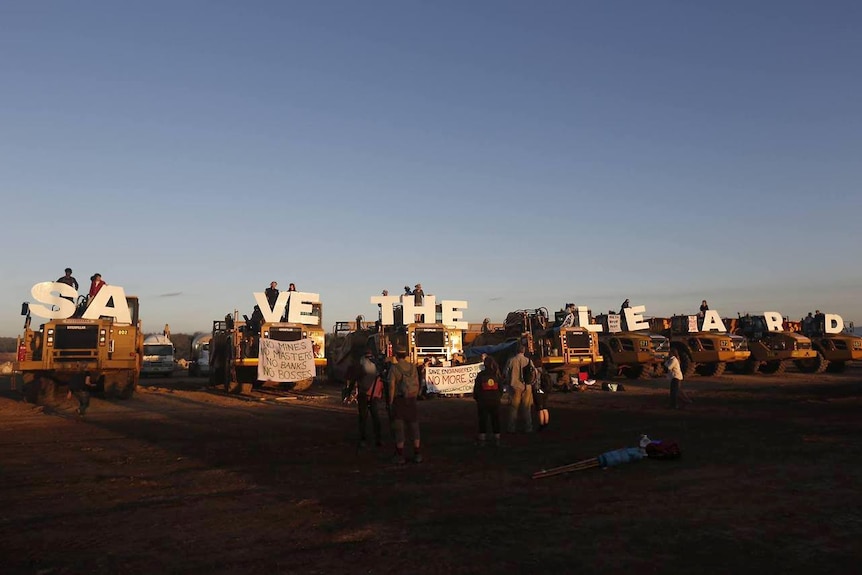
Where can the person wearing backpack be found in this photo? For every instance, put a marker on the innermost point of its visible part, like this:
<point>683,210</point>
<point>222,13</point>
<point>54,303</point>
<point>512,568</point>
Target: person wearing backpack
<point>403,391</point>
<point>520,373</point>
<point>369,395</point>
<point>488,393</point>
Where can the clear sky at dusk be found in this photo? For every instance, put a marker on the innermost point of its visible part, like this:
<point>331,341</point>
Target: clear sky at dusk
<point>511,154</point>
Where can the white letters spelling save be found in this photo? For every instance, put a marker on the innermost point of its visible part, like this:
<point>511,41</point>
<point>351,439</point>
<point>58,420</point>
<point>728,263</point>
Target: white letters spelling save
<point>53,294</point>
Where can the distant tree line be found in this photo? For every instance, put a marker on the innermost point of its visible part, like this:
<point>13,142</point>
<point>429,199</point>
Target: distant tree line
<point>7,344</point>
<point>182,344</point>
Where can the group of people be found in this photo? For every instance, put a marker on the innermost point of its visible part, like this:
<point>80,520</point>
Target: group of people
<point>256,321</point>
<point>395,387</point>
<point>418,299</point>
<point>810,322</point>
<point>528,384</point>
<point>96,284</point>
<point>272,293</point>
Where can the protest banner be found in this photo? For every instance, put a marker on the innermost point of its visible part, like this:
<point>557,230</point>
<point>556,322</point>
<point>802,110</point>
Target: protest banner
<point>452,380</point>
<point>285,360</point>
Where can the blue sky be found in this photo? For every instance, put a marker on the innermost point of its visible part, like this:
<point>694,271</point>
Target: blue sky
<point>511,154</point>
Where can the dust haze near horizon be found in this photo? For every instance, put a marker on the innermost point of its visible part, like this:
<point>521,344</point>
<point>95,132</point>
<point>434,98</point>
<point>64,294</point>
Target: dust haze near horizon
<point>514,155</point>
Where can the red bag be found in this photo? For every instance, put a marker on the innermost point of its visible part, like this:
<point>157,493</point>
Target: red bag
<point>663,450</point>
<point>376,389</point>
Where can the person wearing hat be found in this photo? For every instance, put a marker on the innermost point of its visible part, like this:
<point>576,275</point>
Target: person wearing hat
<point>69,280</point>
<point>418,299</point>
<point>624,306</point>
<point>364,375</point>
<point>96,284</point>
<point>402,393</point>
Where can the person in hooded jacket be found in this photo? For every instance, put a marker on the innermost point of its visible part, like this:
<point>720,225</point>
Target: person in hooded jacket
<point>488,393</point>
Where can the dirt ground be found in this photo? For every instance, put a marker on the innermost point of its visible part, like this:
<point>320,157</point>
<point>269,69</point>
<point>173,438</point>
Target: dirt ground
<point>183,480</point>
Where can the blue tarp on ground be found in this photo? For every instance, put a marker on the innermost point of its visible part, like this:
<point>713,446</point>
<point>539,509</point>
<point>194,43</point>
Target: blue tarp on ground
<point>477,351</point>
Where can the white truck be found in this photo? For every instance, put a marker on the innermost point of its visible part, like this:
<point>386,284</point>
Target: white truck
<point>199,357</point>
<point>158,357</point>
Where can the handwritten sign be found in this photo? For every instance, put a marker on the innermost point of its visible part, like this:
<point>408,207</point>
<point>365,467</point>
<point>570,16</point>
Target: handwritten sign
<point>285,360</point>
<point>692,324</point>
<point>452,380</point>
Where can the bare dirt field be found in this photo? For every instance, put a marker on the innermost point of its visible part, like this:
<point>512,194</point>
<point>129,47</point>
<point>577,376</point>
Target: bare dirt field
<point>181,479</point>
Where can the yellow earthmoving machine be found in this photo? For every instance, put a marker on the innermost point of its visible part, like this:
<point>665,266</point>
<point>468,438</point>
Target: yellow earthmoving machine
<point>633,354</point>
<point>706,353</point>
<point>564,352</point>
<point>771,351</point>
<point>109,350</point>
<point>834,350</point>
<point>235,349</point>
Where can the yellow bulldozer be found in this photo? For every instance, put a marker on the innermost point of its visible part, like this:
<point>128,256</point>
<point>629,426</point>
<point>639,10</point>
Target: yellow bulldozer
<point>235,349</point>
<point>109,350</point>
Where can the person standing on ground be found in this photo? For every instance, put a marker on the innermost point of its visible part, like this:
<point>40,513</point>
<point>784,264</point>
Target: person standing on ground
<point>369,395</point>
<point>674,373</point>
<point>403,391</point>
<point>80,386</point>
<point>542,389</point>
<point>521,391</point>
<point>69,280</point>
<point>488,393</point>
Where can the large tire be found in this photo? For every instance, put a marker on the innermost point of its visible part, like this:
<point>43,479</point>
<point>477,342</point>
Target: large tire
<point>30,388</point>
<point>715,369</point>
<point>608,368</point>
<point>686,364</point>
<point>245,376</point>
<point>634,371</point>
<point>303,384</point>
<point>747,367</point>
<point>774,367</point>
<point>817,364</point>
<point>837,367</point>
<point>125,390</point>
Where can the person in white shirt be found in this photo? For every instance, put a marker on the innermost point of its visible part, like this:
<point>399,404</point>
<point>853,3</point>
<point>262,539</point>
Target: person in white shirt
<point>674,373</point>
